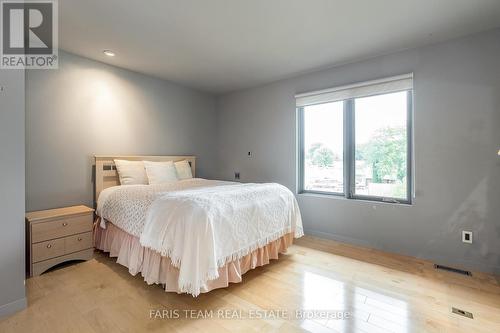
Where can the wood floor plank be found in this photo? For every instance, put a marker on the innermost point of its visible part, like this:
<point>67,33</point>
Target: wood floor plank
<point>379,292</point>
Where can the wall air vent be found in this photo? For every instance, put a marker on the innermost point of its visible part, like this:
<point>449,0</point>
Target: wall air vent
<point>462,313</point>
<point>453,270</point>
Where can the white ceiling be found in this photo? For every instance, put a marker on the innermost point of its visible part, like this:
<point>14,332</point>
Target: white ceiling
<point>225,45</point>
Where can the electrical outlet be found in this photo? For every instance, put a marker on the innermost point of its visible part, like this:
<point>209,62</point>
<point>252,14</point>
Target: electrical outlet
<point>236,175</point>
<point>249,154</point>
<point>467,236</point>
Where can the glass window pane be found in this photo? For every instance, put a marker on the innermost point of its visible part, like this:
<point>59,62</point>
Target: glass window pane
<point>381,145</point>
<point>324,147</point>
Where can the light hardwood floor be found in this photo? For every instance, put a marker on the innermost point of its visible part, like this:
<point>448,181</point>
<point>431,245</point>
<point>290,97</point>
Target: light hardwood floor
<point>383,293</point>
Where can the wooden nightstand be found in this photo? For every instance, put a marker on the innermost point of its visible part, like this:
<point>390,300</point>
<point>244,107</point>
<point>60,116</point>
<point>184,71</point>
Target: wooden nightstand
<point>58,235</point>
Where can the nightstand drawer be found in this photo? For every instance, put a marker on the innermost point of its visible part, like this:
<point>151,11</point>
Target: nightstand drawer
<point>58,235</point>
<point>78,242</point>
<point>61,227</point>
<point>49,249</point>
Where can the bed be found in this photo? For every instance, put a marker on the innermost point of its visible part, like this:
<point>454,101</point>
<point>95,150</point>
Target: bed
<point>191,235</point>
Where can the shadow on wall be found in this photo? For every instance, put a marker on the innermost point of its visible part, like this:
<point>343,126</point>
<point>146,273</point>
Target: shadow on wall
<point>476,186</point>
<point>92,180</point>
<point>472,215</point>
<point>493,188</point>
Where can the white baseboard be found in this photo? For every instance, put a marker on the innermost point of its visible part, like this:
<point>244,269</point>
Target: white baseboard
<point>12,307</point>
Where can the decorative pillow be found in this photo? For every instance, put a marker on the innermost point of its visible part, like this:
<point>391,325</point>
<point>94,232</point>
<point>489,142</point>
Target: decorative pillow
<point>160,172</point>
<point>183,169</point>
<point>131,172</point>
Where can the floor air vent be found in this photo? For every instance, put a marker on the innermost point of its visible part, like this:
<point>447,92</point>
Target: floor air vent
<point>453,270</point>
<point>462,313</point>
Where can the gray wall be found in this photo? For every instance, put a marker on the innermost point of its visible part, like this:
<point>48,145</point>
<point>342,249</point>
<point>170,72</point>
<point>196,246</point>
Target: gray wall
<point>457,135</point>
<point>88,108</point>
<point>12,294</point>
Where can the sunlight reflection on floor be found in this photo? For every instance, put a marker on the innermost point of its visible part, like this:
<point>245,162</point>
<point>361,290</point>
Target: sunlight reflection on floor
<point>369,311</point>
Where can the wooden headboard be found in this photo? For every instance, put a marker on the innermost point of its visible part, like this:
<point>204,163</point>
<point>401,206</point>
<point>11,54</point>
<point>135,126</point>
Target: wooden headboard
<point>107,176</point>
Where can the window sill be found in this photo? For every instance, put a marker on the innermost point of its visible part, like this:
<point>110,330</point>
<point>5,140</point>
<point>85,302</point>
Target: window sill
<point>359,200</point>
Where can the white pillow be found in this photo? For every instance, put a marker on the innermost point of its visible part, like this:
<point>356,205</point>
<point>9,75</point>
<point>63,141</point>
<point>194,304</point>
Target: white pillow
<point>131,172</point>
<point>160,172</point>
<point>183,170</point>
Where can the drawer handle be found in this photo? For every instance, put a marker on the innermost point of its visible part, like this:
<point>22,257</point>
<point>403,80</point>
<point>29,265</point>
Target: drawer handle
<point>80,239</point>
<point>49,246</point>
<point>65,224</point>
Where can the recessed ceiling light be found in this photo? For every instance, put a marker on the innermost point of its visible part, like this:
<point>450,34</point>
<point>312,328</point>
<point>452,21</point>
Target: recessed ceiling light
<point>109,53</point>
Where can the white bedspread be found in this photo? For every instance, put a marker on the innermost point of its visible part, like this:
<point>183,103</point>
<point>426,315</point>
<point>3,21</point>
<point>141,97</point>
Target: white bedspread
<point>201,229</point>
<point>126,206</point>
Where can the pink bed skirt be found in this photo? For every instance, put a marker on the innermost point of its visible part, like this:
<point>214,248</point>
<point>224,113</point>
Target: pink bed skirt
<point>157,269</point>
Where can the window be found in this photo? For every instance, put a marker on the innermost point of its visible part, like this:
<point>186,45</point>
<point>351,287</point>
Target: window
<point>324,147</point>
<point>355,141</point>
